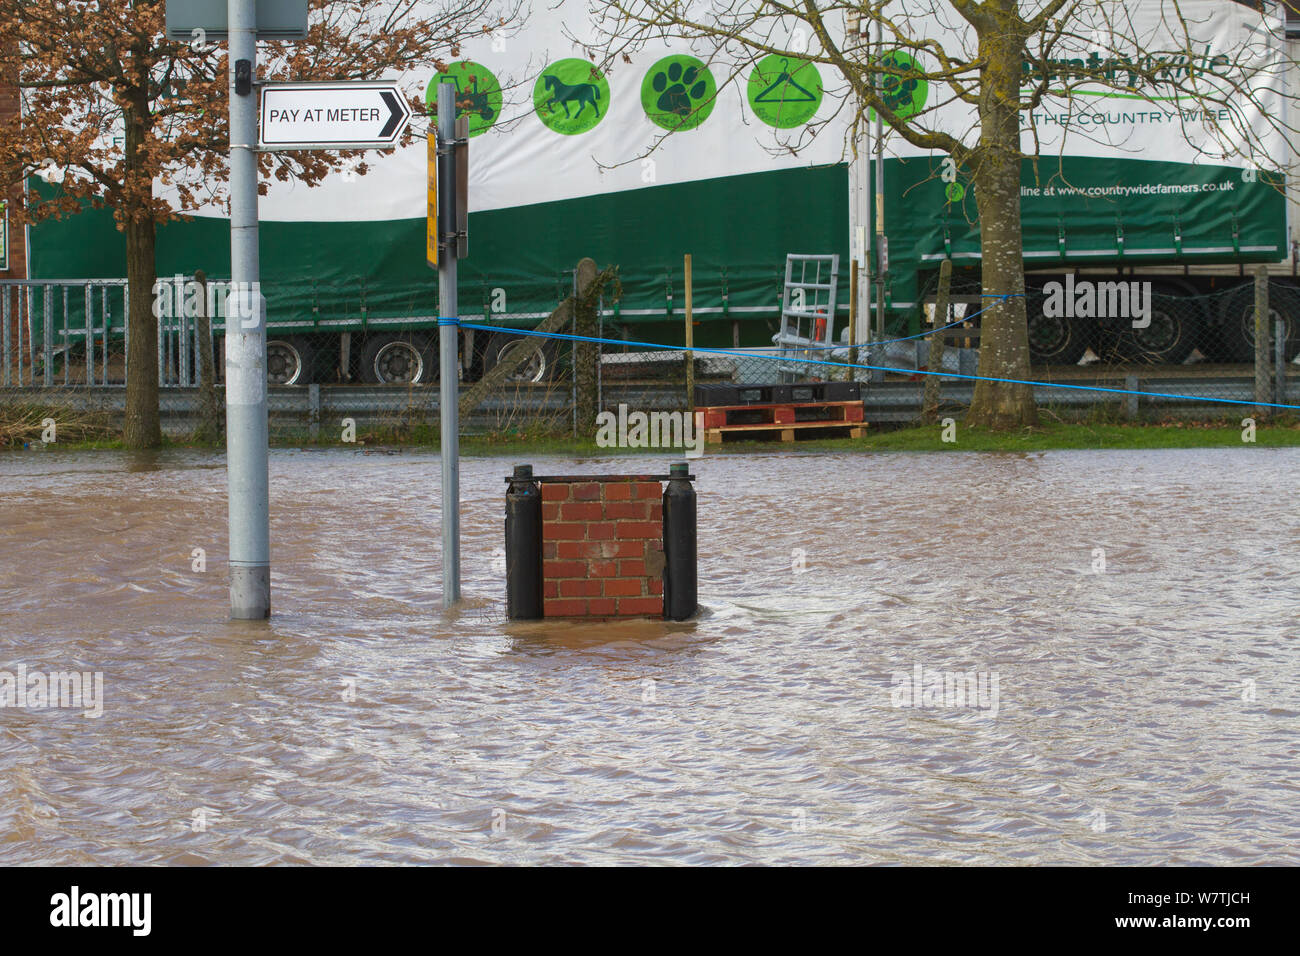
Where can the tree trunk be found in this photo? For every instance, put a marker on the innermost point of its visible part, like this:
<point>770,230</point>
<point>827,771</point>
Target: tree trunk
<point>931,393</point>
<point>142,428</point>
<point>586,368</point>
<point>1004,330</point>
<point>211,421</point>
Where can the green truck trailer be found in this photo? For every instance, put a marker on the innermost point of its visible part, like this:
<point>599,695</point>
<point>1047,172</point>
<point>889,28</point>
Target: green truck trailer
<point>661,161</point>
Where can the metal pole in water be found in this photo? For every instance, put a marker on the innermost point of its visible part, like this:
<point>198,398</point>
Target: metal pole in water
<point>449,438</point>
<point>246,426</point>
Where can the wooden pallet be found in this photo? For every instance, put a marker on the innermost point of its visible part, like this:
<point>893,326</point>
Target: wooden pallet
<point>785,419</point>
<point>713,436</point>
<point>784,413</point>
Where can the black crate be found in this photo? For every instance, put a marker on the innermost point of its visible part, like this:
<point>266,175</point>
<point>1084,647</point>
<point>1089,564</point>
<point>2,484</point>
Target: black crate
<point>842,391</point>
<point>714,395</point>
<point>764,394</point>
<point>706,395</point>
<point>808,392</point>
<point>825,392</point>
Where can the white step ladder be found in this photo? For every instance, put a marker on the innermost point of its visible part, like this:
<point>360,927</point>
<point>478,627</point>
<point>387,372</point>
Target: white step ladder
<point>807,316</point>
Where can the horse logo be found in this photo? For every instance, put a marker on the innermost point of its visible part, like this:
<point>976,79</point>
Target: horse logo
<point>571,96</point>
<point>562,94</point>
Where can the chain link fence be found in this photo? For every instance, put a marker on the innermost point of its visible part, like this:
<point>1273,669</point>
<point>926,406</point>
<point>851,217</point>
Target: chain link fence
<point>345,365</point>
<point>1132,348</point>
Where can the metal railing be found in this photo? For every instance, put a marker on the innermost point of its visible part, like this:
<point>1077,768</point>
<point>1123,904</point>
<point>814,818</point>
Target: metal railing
<point>61,331</point>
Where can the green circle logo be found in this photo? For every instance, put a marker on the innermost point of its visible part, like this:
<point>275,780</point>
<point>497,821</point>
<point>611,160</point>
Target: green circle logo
<point>904,92</point>
<point>784,93</point>
<point>955,192</point>
<point>478,94</point>
<point>678,93</point>
<point>571,96</point>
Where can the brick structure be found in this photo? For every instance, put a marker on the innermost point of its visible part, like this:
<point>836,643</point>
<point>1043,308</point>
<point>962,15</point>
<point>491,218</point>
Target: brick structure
<point>602,548</point>
<point>17,239</point>
<point>15,235</point>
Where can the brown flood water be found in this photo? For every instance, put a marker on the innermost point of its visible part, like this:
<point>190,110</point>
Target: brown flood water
<point>1144,715</point>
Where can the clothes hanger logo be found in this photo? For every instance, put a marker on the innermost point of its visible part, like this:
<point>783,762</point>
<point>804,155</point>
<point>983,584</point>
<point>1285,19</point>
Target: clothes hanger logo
<point>784,92</point>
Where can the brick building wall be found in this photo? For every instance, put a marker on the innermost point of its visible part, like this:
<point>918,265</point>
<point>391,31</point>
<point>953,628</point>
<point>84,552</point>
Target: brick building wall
<point>602,549</point>
<point>17,265</point>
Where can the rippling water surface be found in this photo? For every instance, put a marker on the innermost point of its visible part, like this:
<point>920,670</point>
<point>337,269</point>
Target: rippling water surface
<point>1145,715</point>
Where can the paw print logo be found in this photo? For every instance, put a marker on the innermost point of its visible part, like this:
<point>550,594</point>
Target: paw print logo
<point>685,89</point>
<point>898,91</point>
<point>904,95</point>
<point>678,93</point>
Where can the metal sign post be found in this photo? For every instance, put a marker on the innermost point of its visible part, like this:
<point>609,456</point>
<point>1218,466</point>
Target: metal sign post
<point>246,423</point>
<point>330,115</point>
<point>450,214</point>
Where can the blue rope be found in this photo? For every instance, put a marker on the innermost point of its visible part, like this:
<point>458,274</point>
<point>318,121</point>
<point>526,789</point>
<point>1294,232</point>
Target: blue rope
<point>869,368</point>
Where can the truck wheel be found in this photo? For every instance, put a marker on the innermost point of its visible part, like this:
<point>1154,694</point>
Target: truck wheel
<point>537,367</point>
<point>405,358</point>
<point>290,361</point>
<point>1057,340</point>
<point>1177,326</point>
<point>1237,330</point>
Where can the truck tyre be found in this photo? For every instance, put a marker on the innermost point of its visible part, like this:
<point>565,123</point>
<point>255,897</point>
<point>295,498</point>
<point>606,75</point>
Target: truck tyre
<point>290,361</point>
<point>538,367</point>
<point>1237,328</point>
<point>1177,326</point>
<point>399,358</point>
<point>1057,340</point>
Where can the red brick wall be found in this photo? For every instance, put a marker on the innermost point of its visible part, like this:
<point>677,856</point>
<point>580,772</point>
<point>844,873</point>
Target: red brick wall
<point>17,249</point>
<point>602,549</point>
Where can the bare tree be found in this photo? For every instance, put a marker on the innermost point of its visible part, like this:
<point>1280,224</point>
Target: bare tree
<point>990,66</point>
<point>116,110</point>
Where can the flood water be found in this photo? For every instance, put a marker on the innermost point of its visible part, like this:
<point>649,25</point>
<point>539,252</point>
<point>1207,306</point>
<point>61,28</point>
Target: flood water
<point>1146,711</point>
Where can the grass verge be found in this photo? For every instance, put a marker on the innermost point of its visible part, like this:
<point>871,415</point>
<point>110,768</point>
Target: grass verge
<point>23,426</point>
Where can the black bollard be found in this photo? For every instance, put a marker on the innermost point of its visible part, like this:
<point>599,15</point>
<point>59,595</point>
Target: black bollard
<point>680,587</point>
<point>523,546</point>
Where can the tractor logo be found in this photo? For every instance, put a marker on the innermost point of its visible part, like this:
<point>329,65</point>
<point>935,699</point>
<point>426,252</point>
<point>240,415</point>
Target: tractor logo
<point>478,94</point>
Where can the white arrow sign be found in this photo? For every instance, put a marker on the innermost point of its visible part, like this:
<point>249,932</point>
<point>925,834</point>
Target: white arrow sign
<point>343,115</point>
